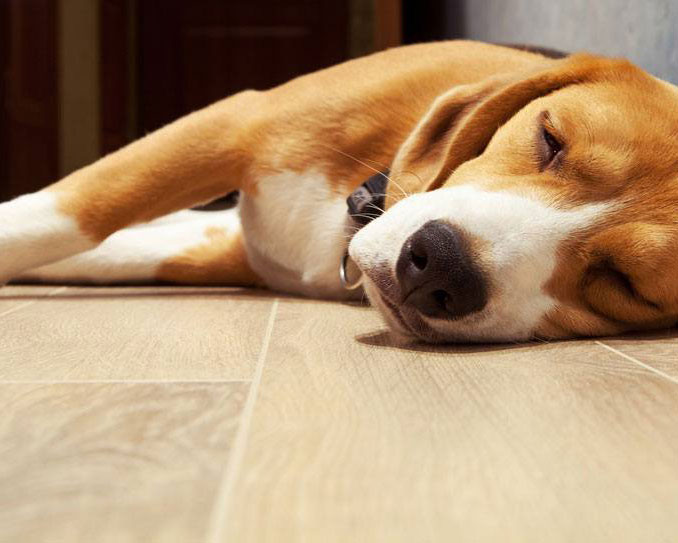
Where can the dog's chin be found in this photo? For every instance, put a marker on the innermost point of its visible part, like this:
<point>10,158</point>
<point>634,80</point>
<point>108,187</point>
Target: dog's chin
<point>405,327</point>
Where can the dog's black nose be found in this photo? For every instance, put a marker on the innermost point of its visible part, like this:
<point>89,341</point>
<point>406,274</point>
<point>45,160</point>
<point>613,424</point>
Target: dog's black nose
<point>437,274</point>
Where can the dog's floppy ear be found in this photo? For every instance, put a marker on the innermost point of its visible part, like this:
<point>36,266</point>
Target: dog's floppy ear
<point>462,121</point>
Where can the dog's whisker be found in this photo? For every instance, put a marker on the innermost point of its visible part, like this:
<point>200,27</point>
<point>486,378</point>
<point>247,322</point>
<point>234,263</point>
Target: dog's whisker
<point>367,215</point>
<point>399,187</point>
<point>385,166</point>
<point>359,161</point>
<point>375,170</point>
<point>414,174</point>
<point>541,340</point>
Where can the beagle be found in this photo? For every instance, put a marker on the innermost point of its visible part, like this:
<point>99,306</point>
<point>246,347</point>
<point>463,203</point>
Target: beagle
<point>515,196</point>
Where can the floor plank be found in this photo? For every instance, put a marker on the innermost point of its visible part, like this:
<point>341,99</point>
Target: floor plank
<point>150,333</point>
<point>113,463</point>
<point>353,439</point>
<point>16,297</point>
<point>657,349</point>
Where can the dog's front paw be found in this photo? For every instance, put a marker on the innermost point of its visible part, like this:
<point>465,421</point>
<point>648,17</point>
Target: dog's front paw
<point>34,232</point>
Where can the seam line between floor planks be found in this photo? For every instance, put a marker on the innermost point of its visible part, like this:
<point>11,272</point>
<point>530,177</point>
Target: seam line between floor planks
<point>125,382</point>
<point>16,308</point>
<point>636,361</point>
<point>219,514</point>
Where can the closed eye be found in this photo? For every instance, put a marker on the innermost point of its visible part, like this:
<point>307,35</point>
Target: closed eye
<point>620,279</point>
<point>553,145</point>
<point>622,282</point>
<point>549,146</point>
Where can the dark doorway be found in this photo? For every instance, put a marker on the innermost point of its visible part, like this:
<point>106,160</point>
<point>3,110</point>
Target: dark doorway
<point>29,96</point>
<point>156,61</point>
<point>194,53</point>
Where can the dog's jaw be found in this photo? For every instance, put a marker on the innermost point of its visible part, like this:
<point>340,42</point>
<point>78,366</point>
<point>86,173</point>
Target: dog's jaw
<point>519,237</point>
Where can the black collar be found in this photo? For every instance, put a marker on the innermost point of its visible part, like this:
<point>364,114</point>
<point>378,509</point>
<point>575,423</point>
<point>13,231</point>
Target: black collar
<point>366,202</point>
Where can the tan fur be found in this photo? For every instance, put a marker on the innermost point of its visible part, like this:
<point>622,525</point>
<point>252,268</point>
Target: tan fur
<point>619,126</point>
<point>198,158</point>
<point>222,260</point>
<point>363,108</point>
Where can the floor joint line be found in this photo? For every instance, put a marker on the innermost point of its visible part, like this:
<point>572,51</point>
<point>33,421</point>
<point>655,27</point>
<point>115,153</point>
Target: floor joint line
<point>635,360</point>
<point>16,308</point>
<point>222,502</point>
<point>121,381</point>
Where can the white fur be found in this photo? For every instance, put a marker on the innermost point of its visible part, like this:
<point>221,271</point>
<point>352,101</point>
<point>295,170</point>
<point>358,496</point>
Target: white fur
<point>134,254</point>
<point>34,232</point>
<point>522,237</point>
<point>296,230</point>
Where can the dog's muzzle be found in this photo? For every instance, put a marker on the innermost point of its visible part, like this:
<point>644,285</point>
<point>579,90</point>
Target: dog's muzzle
<point>437,274</point>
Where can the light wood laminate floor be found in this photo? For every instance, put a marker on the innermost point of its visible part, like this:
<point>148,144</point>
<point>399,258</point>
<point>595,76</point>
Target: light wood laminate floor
<point>211,415</point>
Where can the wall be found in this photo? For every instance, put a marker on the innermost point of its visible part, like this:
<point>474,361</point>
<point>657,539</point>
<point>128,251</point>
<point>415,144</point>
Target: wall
<point>646,31</point>
<point>79,84</point>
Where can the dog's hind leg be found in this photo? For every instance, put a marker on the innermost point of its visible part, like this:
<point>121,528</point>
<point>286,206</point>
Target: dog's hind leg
<point>186,247</point>
<point>200,157</point>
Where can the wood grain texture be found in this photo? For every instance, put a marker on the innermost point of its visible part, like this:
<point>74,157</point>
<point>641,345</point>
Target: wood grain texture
<point>151,333</point>
<point>113,463</point>
<point>343,436</point>
<point>15,297</point>
<point>24,291</point>
<point>353,439</point>
<point>656,349</point>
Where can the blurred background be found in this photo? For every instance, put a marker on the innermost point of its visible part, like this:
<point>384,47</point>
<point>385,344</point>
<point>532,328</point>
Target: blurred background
<point>81,78</point>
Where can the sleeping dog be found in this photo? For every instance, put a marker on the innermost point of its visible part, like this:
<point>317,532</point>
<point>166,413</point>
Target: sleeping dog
<point>510,196</point>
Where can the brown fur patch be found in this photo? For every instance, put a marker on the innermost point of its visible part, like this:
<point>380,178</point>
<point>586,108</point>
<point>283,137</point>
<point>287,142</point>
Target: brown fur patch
<point>333,120</point>
<point>618,127</point>
<point>198,158</point>
<point>220,261</point>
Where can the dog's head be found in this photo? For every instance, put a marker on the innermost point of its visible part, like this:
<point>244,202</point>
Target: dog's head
<point>542,204</point>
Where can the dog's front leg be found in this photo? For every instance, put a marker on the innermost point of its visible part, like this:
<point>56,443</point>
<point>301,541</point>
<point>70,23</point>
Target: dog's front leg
<point>195,159</point>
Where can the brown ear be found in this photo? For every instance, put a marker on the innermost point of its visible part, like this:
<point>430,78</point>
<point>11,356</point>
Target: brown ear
<point>461,122</point>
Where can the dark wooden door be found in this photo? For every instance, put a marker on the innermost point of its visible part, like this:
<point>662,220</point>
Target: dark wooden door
<point>29,153</point>
<point>194,53</point>
<point>159,60</point>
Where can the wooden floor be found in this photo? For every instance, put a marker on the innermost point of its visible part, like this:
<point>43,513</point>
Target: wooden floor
<point>211,415</point>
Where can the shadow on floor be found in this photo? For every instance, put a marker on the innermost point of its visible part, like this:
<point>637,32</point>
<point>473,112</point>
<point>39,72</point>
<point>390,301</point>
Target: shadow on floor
<point>384,339</point>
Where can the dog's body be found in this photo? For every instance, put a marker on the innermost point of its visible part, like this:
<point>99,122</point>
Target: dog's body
<point>554,214</point>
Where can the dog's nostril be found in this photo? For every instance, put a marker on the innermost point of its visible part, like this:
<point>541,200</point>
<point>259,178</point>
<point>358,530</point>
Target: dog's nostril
<point>437,274</point>
<point>418,258</point>
<point>441,297</point>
